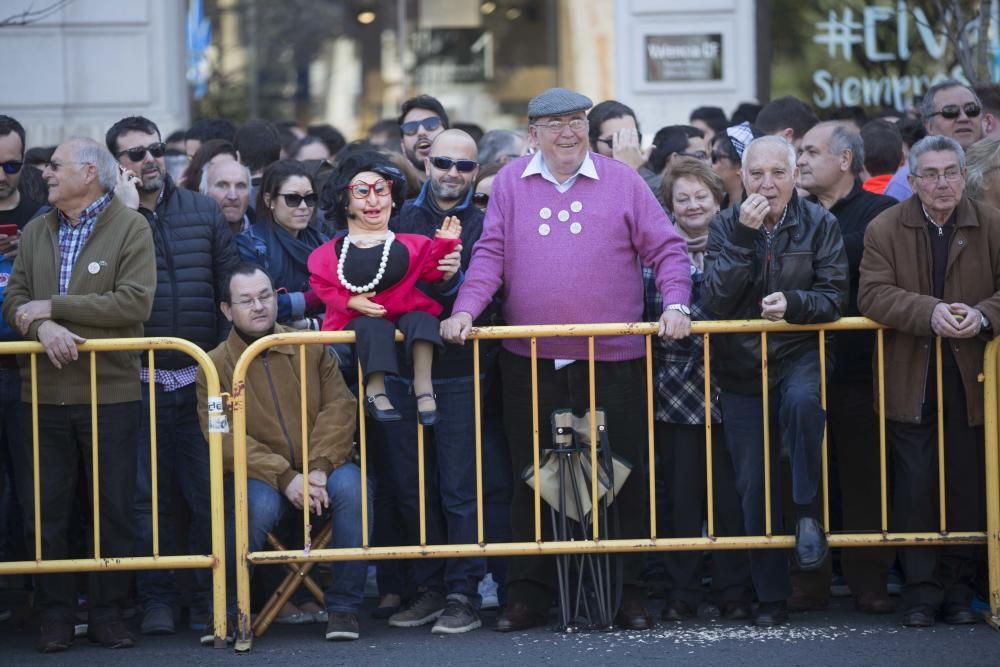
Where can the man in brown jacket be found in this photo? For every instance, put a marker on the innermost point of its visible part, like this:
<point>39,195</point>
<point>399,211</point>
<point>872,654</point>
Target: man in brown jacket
<point>931,267</point>
<point>274,437</point>
<point>86,270</point>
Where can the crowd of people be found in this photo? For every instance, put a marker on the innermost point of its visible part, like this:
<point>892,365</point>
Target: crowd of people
<point>222,235</point>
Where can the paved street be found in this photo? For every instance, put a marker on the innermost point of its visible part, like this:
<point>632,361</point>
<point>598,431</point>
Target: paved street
<point>838,636</point>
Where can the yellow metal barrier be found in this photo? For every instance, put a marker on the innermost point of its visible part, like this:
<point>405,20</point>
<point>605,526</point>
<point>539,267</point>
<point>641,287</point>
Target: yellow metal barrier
<point>214,561</point>
<point>595,545</point>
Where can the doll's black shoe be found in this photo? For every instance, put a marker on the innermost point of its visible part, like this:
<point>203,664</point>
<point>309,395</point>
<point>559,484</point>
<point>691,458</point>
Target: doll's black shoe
<point>389,415</point>
<point>427,417</point>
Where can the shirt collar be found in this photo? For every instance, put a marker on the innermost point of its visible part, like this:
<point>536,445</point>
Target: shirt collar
<point>90,213</point>
<point>537,166</point>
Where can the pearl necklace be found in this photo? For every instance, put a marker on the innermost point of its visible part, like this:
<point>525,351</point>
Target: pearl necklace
<point>389,238</point>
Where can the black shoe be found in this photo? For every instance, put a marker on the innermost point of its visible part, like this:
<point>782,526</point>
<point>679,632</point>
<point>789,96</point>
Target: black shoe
<point>736,611</point>
<point>110,634</point>
<point>389,415</point>
<point>427,417</point>
<point>810,544</point>
<point>677,610</point>
<point>770,614</point>
<point>55,636</point>
<point>920,616</point>
<point>959,614</point>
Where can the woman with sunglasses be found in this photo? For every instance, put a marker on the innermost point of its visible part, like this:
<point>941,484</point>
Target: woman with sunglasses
<point>282,239</point>
<point>368,280</point>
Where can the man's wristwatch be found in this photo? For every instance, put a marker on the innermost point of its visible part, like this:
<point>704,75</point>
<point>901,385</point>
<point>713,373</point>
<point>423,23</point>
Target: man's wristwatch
<point>681,308</point>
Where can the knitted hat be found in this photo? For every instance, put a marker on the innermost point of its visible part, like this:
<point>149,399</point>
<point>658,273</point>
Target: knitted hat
<point>556,102</point>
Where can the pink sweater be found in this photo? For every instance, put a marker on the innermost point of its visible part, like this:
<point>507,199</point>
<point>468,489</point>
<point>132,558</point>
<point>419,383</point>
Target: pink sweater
<point>575,257</point>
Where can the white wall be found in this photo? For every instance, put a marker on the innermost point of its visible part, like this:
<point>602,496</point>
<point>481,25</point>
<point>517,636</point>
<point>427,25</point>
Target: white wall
<point>657,105</point>
<point>92,63</point>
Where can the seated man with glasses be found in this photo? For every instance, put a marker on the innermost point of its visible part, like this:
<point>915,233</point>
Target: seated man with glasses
<point>194,250</point>
<point>930,268</point>
<point>276,485</point>
<point>421,120</point>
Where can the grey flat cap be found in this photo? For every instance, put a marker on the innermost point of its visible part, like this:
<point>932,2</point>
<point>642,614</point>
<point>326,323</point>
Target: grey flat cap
<point>556,102</point>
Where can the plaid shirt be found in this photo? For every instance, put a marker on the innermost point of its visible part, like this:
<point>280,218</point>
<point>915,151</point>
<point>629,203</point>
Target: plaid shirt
<point>678,365</point>
<point>171,380</point>
<point>73,237</point>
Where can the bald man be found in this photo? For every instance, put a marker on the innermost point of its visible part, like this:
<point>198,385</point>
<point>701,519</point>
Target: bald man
<point>451,598</point>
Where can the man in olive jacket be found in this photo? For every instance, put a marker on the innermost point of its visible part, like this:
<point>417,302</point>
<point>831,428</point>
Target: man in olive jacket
<point>931,267</point>
<point>86,270</point>
<point>275,482</point>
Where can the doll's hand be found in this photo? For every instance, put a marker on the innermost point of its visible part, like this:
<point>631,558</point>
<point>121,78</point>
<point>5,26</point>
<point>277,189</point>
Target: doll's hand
<point>450,264</point>
<point>451,228</point>
<point>364,305</point>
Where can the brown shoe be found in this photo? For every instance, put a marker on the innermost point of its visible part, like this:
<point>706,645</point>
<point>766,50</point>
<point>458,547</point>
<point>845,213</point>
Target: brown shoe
<point>634,615</point>
<point>110,634</point>
<point>55,636</point>
<point>872,602</point>
<point>799,600</point>
<point>519,616</point>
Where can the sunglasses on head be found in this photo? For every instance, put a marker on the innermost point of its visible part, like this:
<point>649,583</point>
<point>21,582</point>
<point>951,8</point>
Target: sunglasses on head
<point>12,167</point>
<point>360,190</point>
<point>480,199</point>
<point>952,111</point>
<point>137,153</point>
<point>446,163</point>
<point>293,200</point>
<point>430,124</point>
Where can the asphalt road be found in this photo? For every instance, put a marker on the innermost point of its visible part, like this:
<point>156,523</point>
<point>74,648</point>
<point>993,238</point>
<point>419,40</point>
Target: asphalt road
<point>838,636</point>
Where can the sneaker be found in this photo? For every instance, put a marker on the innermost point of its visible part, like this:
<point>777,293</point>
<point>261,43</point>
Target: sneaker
<point>342,626</point>
<point>488,592</point>
<point>421,611</point>
<point>208,637</point>
<point>458,617</point>
<point>158,621</point>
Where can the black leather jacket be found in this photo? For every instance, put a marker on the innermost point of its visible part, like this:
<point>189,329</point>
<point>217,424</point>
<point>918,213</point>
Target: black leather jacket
<point>804,259</point>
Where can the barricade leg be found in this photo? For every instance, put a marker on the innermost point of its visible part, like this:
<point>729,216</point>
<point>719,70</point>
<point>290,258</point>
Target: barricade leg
<point>992,486</point>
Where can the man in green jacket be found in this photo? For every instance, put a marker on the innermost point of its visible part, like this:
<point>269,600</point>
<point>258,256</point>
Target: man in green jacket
<point>86,270</point>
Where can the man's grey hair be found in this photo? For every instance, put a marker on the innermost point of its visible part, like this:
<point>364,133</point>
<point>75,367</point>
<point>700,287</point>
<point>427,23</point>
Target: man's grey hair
<point>498,143</point>
<point>204,185</point>
<point>845,138</point>
<point>88,151</point>
<point>935,142</point>
<point>927,104</point>
<point>768,140</point>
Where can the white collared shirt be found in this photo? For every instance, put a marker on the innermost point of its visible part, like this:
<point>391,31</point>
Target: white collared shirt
<point>537,166</point>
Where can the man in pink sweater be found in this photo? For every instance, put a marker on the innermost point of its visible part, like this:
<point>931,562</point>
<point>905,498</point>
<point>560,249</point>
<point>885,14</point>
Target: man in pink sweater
<point>566,235</point>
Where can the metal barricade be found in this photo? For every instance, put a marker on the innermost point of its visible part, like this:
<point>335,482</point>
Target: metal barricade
<point>214,561</point>
<point>706,329</point>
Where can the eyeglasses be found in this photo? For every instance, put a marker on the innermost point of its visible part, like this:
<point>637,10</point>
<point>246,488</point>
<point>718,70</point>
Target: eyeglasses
<point>610,142</point>
<point>293,200</point>
<point>719,156</point>
<point>360,190</point>
<point>698,155</point>
<point>952,111</point>
<point>480,199</point>
<point>933,177</point>
<point>430,124</point>
<point>12,166</point>
<point>556,126</point>
<point>446,163</point>
<point>137,153</point>
<point>247,304</point>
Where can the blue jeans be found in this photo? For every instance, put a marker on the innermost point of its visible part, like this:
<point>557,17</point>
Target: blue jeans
<point>182,459</point>
<point>266,506</point>
<point>796,417</point>
<point>450,482</point>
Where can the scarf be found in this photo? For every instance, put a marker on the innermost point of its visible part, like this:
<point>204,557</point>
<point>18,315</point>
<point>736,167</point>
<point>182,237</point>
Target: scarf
<point>696,247</point>
<point>289,267</point>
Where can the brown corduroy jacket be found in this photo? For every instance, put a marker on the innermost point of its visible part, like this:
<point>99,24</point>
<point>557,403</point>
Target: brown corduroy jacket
<point>110,296</point>
<point>273,410</point>
<point>896,290</point>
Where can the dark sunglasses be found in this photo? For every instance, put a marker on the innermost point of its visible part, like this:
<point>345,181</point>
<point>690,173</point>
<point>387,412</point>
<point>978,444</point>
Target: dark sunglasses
<point>430,124</point>
<point>12,167</point>
<point>697,155</point>
<point>718,156</point>
<point>446,163</point>
<point>952,111</point>
<point>137,153</point>
<point>293,200</point>
<point>610,141</point>
<point>480,199</point>
<point>360,190</point>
